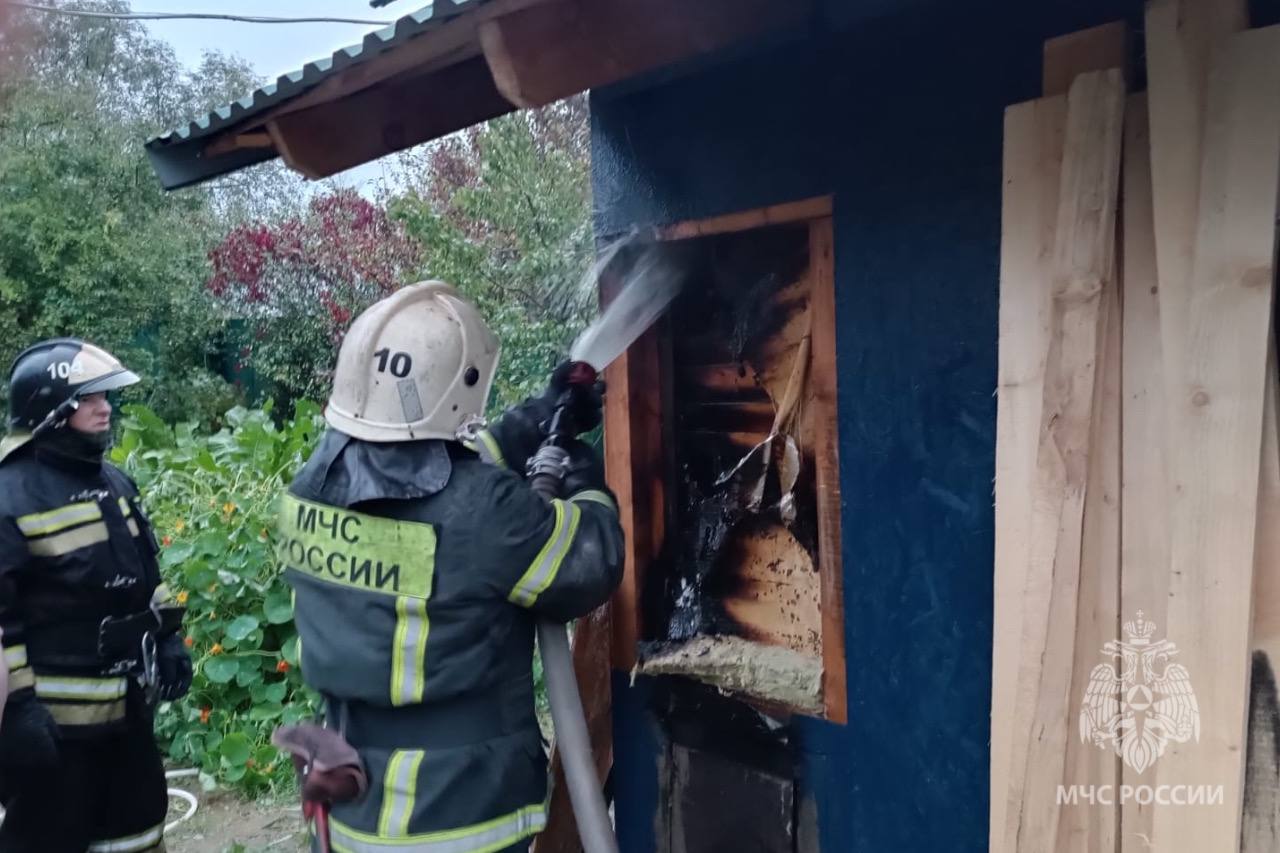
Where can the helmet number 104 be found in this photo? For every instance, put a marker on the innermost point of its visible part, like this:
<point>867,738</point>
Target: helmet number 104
<point>65,369</point>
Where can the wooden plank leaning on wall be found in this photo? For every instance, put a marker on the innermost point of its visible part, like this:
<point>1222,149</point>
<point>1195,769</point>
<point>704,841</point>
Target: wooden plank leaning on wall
<point>1093,830</point>
<point>1083,271</point>
<point>1179,39</point>
<point>1144,513</point>
<point>1215,398</point>
<point>1033,137</point>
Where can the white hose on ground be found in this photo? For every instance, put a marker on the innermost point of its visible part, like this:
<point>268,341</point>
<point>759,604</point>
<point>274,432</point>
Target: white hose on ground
<point>182,795</point>
<point>572,742</point>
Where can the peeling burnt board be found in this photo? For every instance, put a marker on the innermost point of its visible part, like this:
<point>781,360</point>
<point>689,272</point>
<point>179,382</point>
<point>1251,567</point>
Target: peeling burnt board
<point>735,335</point>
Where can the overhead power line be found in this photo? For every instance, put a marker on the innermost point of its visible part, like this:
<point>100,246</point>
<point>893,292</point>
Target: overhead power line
<point>175,16</point>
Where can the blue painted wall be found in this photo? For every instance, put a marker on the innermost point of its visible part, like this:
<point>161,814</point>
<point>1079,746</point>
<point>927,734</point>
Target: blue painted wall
<point>901,119</point>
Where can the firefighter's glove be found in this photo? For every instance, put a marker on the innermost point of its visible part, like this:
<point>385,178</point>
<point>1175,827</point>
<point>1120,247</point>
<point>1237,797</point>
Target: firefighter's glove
<point>523,427</point>
<point>173,667</point>
<point>586,471</point>
<point>28,735</point>
<point>583,402</point>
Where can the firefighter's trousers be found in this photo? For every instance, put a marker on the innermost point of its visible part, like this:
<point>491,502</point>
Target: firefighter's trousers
<point>107,794</point>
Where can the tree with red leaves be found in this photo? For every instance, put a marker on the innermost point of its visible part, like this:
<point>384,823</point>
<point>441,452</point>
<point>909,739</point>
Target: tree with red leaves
<point>298,283</point>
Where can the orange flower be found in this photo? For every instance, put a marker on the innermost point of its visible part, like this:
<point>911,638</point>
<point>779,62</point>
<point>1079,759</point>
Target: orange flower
<point>166,541</point>
<point>204,714</point>
<point>188,641</point>
<point>282,666</point>
<point>182,597</point>
<point>228,508</point>
<point>179,525</point>
<point>216,650</point>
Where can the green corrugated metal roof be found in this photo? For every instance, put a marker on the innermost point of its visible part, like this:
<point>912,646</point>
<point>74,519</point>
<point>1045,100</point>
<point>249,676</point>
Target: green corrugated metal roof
<point>178,156</point>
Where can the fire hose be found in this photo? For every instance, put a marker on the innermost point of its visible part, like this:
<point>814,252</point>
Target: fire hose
<point>546,472</point>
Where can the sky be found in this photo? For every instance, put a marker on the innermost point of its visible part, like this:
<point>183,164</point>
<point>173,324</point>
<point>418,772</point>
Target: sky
<point>273,49</point>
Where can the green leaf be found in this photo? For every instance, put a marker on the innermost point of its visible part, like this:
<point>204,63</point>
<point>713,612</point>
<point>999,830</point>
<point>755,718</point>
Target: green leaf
<point>176,554</point>
<point>289,650</point>
<point>221,669</point>
<point>242,627</point>
<point>295,714</point>
<point>268,711</point>
<point>275,692</point>
<point>278,608</point>
<point>212,544</point>
<point>236,748</point>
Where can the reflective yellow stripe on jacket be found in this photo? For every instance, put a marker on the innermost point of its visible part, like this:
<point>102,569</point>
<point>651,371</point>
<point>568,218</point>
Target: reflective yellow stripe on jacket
<point>63,530</point>
<point>83,701</point>
<point>409,651</point>
<point>542,571</point>
<point>594,496</point>
<point>20,674</point>
<point>486,447</point>
<point>482,837</point>
<point>44,523</point>
<point>399,789</point>
<point>127,512</point>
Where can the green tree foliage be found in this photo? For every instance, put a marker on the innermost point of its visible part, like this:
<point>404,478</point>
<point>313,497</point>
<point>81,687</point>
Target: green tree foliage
<point>89,243</point>
<point>503,213</point>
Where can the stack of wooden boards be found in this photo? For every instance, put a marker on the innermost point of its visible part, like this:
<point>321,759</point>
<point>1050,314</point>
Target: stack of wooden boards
<point>1138,466</point>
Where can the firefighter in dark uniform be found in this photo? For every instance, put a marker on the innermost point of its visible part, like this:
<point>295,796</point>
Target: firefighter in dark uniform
<point>90,639</point>
<point>420,559</point>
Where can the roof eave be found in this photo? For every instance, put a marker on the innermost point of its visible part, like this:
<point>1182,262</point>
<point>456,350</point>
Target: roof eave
<point>448,69</point>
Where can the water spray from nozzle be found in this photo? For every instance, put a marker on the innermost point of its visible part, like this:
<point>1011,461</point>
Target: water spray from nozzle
<point>649,284</point>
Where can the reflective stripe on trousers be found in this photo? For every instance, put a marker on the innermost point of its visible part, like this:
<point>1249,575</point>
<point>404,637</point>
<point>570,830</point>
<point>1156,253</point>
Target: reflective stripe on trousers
<point>480,838</point>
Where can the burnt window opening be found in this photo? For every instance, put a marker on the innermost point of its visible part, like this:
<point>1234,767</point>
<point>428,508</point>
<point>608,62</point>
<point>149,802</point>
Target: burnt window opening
<point>737,586</point>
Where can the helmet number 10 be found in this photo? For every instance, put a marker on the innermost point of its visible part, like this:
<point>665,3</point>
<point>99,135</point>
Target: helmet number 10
<point>400,363</point>
<point>65,369</point>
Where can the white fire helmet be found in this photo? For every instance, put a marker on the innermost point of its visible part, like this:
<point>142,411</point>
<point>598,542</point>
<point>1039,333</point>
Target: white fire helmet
<point>416,365</point>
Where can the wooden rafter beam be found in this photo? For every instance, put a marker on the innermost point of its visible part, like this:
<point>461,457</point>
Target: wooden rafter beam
<point>546,52</point>
<point>239,142</point>
<point>453,42</point>
<point>331,137</point>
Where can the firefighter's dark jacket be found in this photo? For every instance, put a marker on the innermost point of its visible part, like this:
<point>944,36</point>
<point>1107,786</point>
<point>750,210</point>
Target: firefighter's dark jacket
<point>75,549</point>
<point>419,570</point>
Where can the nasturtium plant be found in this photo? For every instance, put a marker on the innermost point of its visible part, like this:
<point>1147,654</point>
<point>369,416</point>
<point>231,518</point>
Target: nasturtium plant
<point>212,500</point>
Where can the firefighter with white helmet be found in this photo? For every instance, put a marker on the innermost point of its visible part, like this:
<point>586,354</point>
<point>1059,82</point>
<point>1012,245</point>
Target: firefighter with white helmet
<point>420,559</point>
<point>90,637</point>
